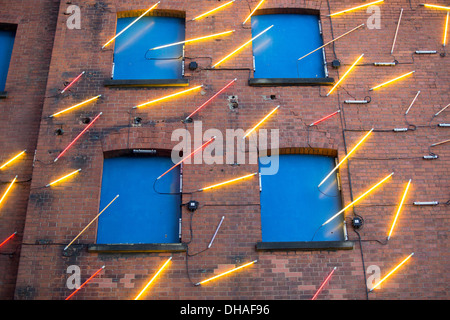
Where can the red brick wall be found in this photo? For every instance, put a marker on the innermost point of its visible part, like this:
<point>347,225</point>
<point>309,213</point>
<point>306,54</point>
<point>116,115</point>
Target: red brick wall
<point>21,112</point>
<point>56,215</point>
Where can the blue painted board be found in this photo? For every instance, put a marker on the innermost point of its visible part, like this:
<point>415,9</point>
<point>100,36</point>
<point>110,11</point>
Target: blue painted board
<point>293,208</point>
<point>6,47</point>
<point>277,51</point>
<point>139,215</point>
<point>133,61</point>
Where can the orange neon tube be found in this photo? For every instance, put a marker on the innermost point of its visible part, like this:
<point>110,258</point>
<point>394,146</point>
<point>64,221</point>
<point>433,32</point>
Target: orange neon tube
<point>227,182</point>
<point>226,272</point>
<point>256,8</point>
<point>8,189</point>
<point>345,74</point>
<point>392,271</point>
<point>359,198</point>
<point>75,106</point>
<point>355,8</point>
<point>399,209</point>
<point>12,160</point>
<point>151,280</point>
<point>167,97</point>
<point>213,10</point>
<point>261,122</point>
<point>390,81</point>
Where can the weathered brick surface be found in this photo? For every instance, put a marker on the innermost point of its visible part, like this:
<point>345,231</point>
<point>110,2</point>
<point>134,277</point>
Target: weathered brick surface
<point>59,213</point>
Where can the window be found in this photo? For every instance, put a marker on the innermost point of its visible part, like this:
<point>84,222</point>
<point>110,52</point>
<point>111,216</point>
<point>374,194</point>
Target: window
<point>140,215</point>
<point>7,36</point>
<point>132,58</point>
<point>276,52</point>
<point>293,208</point>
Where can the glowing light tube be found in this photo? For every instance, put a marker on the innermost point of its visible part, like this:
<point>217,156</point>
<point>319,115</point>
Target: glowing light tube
<point>323,284</point>
<point>390,81</point>
<point>213,10</point>
<point>359,198</point>
<point>241,47</point>
<point>167,97</point>
<point>434,6</point>
<point>63,178</point>
<point>256,8</point>
<point>210,99</point>
<point>127,27</point>
<point>332,41</point>
<point>193,40</point>
<point>96,217</point>
<point>438,143</point>
<point>444,41</point>
<point>215,233</point>
<point>152,279</point>
<point>345,74</point>
<point>7,190</point>
<point>348,155</point>
<point>90,278</point>
<point>436,114</point>
<point>75,106</point>
<point>229,181</point>
<point>414,100</point>
<point>73,81</point>
<point>81,133</point>
<point>226,272</point>
<point>355,8</point>
<point>399,209</point>
<point>261,122</point>
<point>188,156</point>
<point>324,118</point>
<point>396,31</point>
<point>7,239</point>
<point>12,159</point>
<point>392,271</point>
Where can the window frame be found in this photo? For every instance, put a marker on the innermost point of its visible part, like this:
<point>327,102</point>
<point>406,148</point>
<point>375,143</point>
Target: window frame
<point>148,83</point>
<point>8,27</point>
<point>307,245</point>
<point>139,247</point>
<point>273,82</point>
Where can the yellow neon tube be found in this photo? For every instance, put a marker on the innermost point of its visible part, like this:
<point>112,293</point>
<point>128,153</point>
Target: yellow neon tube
<point>154,277</point>
<point>444,42</point>
<point>359,198</point>
<point>435,6</point>
<point>229,181</point>
<point>75,106</point>
<point>256,8</point>
<point>167,97</point>
<point>390,81</point>
<point>399,209</point>
<point>11,160</point>
<point>126,28</point>
<point>348,154</point>
<point>63,178</point>
<point>213,10</point>
<point>259,123</point>
<point>192,40</point>
<point>7,190</point>
<point>226,272</point>
<point>241,47</point>
<point>345,74</point>
<point>392,271</point>
<point>355,8</point>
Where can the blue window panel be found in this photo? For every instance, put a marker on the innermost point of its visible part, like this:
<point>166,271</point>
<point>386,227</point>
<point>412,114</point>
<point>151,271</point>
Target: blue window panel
<point>277,51</point>
<point>293,208</point>
<point>139,215</point>
<point>133,61</point>
<point>6,47</point>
